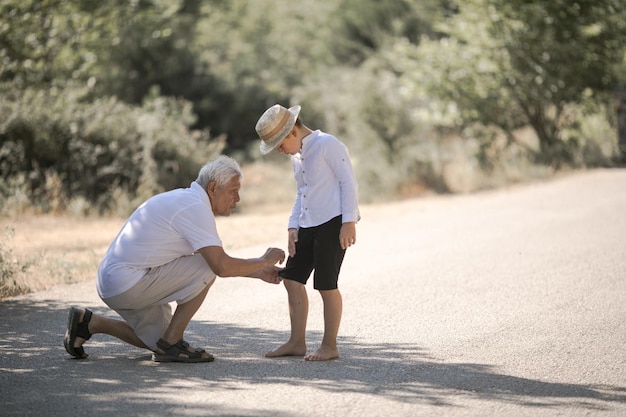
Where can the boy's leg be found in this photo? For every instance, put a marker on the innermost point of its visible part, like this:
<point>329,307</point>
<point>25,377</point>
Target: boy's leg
<point>298,314</point>
<point>328,259</point>
<point>333,306</point>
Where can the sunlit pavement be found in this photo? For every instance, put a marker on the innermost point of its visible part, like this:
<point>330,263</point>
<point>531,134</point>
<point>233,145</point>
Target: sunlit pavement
<point>508,302</point>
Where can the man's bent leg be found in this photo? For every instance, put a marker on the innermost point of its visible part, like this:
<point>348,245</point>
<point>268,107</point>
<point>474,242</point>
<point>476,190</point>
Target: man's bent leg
<point>146,306</point>
<point>181,318</point>
<point>115,328</point>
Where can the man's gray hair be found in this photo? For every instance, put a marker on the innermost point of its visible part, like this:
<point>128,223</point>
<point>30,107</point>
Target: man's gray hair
<point>221,170</point>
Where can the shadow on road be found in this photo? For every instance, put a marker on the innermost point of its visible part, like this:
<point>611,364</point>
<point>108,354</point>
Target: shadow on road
<point>37,376</point>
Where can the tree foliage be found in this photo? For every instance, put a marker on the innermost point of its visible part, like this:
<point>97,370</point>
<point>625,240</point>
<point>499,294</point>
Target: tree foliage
<point>89,149</point>
<point>99,96</point>
<point>510,64</point>
<point>559,50</point>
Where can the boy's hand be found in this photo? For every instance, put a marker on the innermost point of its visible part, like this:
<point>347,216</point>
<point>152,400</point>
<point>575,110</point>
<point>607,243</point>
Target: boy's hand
<point>347,235</point>
<point>291,241</point>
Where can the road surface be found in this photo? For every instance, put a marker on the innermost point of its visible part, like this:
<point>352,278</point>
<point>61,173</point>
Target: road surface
<point>502,303</point>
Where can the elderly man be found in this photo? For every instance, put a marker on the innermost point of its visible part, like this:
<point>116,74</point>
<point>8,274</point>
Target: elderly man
<point>169,250</point>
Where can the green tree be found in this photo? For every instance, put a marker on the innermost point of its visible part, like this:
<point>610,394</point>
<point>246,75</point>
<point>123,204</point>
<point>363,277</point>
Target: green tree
<point>117,47</point>
<point>514,63</point>
<point>39,42</point>
<point>142,44</point>
<point>366,27</point>
<point>252,55</point>
<point>73,120</point>
<point>557,51</point>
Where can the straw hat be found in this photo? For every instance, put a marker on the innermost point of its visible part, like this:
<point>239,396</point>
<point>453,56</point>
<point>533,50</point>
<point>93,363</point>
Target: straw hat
<point>274,126</point>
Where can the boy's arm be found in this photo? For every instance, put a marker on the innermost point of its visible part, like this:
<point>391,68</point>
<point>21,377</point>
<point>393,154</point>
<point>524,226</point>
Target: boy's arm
<point>294,218</point>
<point>347,235</point>
<point>339,162</point>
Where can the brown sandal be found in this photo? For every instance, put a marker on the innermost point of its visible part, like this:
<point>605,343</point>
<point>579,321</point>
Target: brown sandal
<point>178,353</point>
<point>76,329</point>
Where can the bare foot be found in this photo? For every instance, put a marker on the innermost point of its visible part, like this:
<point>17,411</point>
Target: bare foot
<point>288,349</point>
<point>323,354</point>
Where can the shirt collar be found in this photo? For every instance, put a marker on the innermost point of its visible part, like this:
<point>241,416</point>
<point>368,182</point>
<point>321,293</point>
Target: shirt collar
<point>309,139</point>
<point>200,192</point>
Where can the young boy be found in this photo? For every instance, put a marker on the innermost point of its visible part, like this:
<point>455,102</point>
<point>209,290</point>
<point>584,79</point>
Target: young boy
<point>321,227</point>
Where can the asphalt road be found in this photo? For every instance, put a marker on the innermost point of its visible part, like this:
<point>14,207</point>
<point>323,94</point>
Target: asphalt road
<point>505,303</point>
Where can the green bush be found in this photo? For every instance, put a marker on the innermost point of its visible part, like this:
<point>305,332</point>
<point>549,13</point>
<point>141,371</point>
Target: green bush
<point>59,148</point>
<point>9,267</point>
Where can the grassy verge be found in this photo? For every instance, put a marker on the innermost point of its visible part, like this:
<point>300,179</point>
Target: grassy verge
<point>45,251</point>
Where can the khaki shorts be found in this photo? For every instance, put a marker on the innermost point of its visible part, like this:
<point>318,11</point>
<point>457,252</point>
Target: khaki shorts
<point>146,306</point>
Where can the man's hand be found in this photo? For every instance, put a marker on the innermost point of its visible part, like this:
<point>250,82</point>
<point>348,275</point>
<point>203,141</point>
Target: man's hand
<point>274,256</point>
<point>269,274</point>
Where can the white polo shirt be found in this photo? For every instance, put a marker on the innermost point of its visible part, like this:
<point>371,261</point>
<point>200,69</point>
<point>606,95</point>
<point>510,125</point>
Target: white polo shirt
<point>164,228</point>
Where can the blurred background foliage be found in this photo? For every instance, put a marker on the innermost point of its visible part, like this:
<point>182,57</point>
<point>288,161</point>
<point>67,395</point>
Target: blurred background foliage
<point>104,103</point>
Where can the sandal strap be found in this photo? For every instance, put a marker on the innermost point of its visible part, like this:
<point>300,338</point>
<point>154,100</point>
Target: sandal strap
<point>87,316</point>
<point>163,345</point>
<point>185,344</point>
<point>179,348</point>
<point>82,328</point>
<point>78,352</point>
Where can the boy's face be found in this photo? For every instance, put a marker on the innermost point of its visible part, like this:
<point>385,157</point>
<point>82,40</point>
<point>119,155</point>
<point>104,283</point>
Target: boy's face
<point>291,145</point>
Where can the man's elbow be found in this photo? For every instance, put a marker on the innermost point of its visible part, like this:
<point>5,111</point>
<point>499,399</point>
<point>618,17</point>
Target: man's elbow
<point>218,263</point>
<point>220,271</point>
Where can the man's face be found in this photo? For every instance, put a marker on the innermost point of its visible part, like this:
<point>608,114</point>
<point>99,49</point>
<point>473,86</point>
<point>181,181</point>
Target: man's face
<point>224,199</point>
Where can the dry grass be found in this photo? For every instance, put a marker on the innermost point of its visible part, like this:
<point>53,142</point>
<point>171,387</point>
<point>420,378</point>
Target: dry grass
<point>38,252</point>
<point>48,251</point>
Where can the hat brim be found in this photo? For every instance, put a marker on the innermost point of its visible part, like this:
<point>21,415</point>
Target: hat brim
<point>270,145</point>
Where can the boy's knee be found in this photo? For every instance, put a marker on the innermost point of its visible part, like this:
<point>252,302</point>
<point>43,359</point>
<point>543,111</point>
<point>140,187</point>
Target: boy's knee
<point>292,285</point>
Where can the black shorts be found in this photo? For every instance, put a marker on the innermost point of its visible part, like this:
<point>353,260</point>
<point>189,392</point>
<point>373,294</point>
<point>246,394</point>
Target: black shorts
<point>318,249</point>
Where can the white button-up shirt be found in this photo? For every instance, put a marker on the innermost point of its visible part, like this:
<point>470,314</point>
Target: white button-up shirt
<point>326,185</point>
